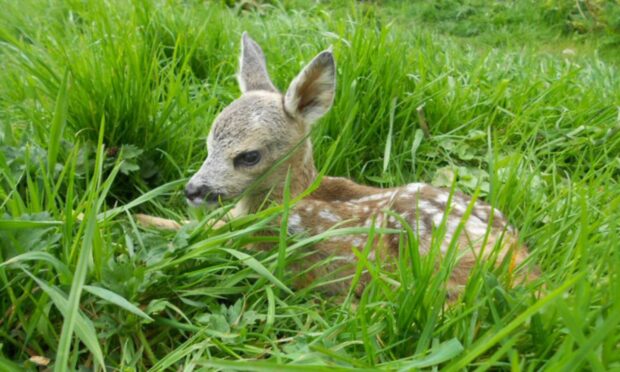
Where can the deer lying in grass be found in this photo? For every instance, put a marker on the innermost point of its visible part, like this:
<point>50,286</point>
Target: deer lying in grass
<point>256,131</point>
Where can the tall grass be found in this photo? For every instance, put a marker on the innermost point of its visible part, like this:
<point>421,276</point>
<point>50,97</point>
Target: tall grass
<point>103,111</point>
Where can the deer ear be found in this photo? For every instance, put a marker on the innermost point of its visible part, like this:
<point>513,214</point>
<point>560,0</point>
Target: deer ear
<point>311,93</point>
<point>253,73</point>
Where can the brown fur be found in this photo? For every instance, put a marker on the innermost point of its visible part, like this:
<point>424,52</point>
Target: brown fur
<point>346,204</point>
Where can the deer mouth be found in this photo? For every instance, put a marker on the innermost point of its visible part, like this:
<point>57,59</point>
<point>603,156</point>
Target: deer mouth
<point>198,195</point>
<point>208,199</point>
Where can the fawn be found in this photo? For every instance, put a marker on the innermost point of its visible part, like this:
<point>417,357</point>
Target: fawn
<point>262,127</point>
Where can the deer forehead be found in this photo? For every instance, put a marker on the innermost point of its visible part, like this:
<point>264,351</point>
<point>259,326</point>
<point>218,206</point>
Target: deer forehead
<point>253,114</point>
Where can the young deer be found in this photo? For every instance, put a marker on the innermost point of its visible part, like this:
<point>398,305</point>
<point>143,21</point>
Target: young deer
<point>264,127</point>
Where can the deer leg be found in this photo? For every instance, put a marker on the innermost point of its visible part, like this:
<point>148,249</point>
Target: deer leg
<point>168,224</point>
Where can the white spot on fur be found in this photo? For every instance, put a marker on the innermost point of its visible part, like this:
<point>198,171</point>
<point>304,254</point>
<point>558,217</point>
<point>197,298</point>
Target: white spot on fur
<point>427,207</point>
<point>424,205</point>
<point>453,223</point>
<point>437,218</point>
<point>459,208</point>
<point>294,224</point>
<point>442,197</point>
<point>415,187</point>
<point>329,216</point>
<point>445,244</point>
<point>393,197</point>
<point>375,197</point>
<point>476,228</point>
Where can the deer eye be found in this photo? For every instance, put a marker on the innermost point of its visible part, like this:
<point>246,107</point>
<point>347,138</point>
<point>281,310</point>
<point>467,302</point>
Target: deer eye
<point>247,159</point>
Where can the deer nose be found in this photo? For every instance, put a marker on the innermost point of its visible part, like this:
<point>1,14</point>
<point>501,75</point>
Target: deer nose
<point>193,191</point>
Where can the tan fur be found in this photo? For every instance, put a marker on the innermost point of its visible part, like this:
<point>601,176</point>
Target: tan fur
<point>276,126</point>
<point>422,206</point>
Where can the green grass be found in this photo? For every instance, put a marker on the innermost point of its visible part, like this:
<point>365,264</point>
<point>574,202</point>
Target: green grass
<point>104,107</point>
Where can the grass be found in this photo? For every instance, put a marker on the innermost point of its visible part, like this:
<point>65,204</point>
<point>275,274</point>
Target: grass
<point>103,112</point>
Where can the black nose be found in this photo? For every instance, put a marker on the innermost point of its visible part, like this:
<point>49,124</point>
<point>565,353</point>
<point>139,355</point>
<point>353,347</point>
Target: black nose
<point>193,191</point>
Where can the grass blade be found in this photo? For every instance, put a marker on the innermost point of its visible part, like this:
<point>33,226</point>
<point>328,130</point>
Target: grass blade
<point>440,354</point>
<point>486,343</point>
<point>117,300</point>
<point>39,256</point>
<point>58,125</point>
<point>253,263</point>
<point>83,326</point>
<point>79,276</point>
<point>273,367</point>
<point>388,142</point>
<point>24,224</point>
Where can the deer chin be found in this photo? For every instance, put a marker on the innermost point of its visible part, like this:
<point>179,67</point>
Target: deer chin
<point>195,202</point>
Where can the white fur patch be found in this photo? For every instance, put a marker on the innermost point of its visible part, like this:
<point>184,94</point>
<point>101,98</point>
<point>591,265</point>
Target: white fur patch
<point>375,197</point>
<point>329,216</point>
<point>415,187</point>
<point>442,197</point>
<point>437,218</point>
<point>458,208</point>
<point>393,197</point>
<point>453,223</point>
<point>476,227</point>
<point>294,224</point>
<point>427,207</point>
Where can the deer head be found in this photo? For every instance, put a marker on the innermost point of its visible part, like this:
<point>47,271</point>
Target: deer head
<point>256,131</point>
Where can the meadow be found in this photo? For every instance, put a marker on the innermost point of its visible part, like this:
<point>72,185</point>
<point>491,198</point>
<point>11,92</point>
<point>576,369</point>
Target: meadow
<point>104,110</point>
